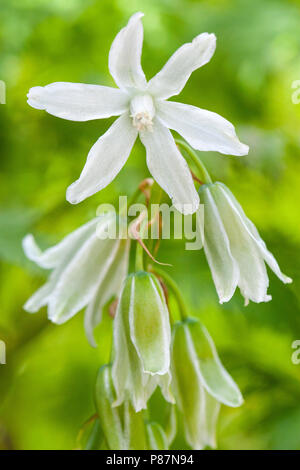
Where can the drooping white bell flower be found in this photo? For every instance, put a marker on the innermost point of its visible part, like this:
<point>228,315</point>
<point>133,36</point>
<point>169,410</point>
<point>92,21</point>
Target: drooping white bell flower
<point>142,339</point>
<point>235,252</point>
<point>122,427</point>
<point>88,268</point>
<point>200,381</point>
<point>143,111</point>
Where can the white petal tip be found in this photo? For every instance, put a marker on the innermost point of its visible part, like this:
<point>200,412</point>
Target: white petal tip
<point>267,298</point>
<point>244,149</point>
<point>27,241</point>
<point>35,96</point>
<point>30,247</point>
<point>163,371</point>
<point>187,209</point>
<point>29,309</point>
<point>71,198</point>
<point>240,149</point>
<point>225,298</point>
<point>116,403</point>
<point>238,403</point>
<point>287,280</point>
<point>136,16</point>
<point>91,339</point>
<point>58,321</point>
<point>210,36</point>
<point>171,399</point>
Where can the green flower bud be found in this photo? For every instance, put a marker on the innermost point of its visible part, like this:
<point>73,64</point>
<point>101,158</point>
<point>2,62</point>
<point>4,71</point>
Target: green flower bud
<point>157,438</point>
<point>122,427</point>
<point>200,382</point>
<point>141,341</point>
<point>90,436</point>
<point>171,424</point>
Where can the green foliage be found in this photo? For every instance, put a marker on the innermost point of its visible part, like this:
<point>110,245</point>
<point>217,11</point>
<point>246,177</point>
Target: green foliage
<point>46,387</point>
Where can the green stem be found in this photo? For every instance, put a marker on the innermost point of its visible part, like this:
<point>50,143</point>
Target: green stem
<point>205,177</point>
<point>139,257</point>
<point>176,291</point>
<point>134,197</point>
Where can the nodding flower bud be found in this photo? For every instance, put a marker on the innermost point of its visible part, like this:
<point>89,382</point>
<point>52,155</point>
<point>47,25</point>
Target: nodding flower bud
<point>122,427</point>
<point>200,382</point>
<point>235,252</point>
<point>142,340</point>
<point>157,438</point>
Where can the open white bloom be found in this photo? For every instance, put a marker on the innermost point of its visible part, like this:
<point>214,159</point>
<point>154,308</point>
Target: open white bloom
<point>143,110</point>
<point>234,249</point>
<point>86,272</point>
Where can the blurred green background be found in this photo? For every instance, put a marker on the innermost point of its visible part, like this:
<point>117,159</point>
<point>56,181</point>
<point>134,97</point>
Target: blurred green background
<point>46,387</point>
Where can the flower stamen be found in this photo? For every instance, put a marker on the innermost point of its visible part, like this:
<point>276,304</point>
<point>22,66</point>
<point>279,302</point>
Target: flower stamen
<point>142,112</point>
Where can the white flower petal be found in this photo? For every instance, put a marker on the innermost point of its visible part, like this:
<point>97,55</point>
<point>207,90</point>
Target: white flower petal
<point>176,72</point>
<point>223,267</point>
<point>253,280</point>
<point>121,362</point>
<point>169,168</point>
<point>128,377</point>
<point>110,286</point>
<point>125,55</point>
<point>214,377</point>
<point>148,313</point>
<point>40,298</point>
<point>79,281</point>
<point>56,255</point>
<point>164,382</point>
<point>202,129</point>
<point>188,389</point>
<point>78,101</point>
<point>266,254</point>
<point>105,160</point>
<point>211,414</point>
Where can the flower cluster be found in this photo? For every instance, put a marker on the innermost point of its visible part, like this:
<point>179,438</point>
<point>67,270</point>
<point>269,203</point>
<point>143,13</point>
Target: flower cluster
<point>151,351</point>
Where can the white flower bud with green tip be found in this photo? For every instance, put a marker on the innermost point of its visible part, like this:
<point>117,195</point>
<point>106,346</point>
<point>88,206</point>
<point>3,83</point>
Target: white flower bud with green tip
<point>142,340</point>
<point>86,272</point>
<point>143,111</point>
<point>122,427</point>
<point>235,252</point>
<point>200,382</point>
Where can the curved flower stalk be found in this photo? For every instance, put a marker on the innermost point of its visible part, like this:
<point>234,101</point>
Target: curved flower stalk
<point>143,111</point>
<point>142,340</point>
<point>88,268</point>
<point>200,382</point>
<point>234,249</point>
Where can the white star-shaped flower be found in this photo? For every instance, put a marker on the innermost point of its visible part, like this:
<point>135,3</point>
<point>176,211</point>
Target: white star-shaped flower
<point>143,111</point>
